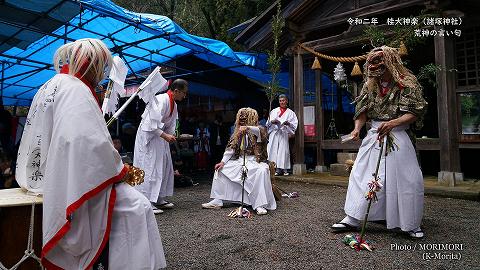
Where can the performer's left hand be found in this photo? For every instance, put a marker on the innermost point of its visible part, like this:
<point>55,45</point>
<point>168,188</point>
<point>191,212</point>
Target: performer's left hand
<point>385,128</point>
<point>219,166</point>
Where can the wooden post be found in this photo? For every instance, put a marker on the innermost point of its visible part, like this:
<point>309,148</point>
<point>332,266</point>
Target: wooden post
<point>447,112</point>
<point>299,165</point>
<point>319,121</point>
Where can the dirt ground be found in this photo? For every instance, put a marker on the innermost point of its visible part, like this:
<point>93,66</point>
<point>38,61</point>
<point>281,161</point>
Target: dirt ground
<point>297,235</point>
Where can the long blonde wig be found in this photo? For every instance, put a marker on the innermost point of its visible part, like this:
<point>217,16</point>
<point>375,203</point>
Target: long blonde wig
<point>394,65</point>
<point>84,55</point>
<point>245,117</point>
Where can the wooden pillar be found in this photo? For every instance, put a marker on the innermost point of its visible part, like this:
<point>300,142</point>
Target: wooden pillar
<point>319,121</point>
<point>447,112</point>
<point>299,166</point>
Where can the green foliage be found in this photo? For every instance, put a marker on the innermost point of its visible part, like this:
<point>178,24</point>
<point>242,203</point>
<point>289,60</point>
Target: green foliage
<point>274,60</point>
<point>428,73</point>
<point>206,18</point>
<point>378,37</point>
<point>469,102</point>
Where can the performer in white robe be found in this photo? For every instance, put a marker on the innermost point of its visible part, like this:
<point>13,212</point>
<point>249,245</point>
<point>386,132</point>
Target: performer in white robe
<point>392,99</point>
<point>152,145</point>
<point>227,183</point>
<point>282,124</point>
<point>67,155</point>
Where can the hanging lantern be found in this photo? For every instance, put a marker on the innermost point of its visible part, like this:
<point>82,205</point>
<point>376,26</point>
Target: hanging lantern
<point>356,71</point>
<point>402,50</point>
<point>339,73</point>
<point>316,64</point>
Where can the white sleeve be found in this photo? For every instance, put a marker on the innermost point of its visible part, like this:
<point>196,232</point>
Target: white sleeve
<point>268,124</point>
<point>271,127</point>
<point>172,124</point>
<point>256,131</point>
<point>152,117</point>
<point>158,132</point>
<point>292,127</point>
<point>227,155</point>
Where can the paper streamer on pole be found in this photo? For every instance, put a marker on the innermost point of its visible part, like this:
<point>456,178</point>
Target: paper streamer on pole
<point>118,74</point>
<point>115,87</point>
<point>147,90</point>
<point>153,84</point>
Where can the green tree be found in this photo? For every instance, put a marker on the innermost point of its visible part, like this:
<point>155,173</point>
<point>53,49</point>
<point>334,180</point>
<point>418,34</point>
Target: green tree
<point>206,18</point>
<point>274,59</point>
<point>406,33</point>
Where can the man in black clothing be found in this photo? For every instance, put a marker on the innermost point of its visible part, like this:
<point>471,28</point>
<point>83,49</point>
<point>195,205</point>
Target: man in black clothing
<point>219,135</point>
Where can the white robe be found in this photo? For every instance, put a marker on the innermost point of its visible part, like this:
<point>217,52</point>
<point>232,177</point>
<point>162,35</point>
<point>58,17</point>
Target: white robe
<point>227,182</point>
<point>400,201</point>
<point>278,148</point>
<point>152,153</point>
<point>67,155</point>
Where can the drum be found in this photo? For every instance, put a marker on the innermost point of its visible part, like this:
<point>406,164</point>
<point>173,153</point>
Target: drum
<point>15,212</point>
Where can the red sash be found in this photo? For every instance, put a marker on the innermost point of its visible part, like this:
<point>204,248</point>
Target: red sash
<point>172,101</point>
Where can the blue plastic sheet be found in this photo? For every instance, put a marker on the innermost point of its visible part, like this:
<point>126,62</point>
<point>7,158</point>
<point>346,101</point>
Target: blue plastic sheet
<point>142,40</point>
<point>32,30</point>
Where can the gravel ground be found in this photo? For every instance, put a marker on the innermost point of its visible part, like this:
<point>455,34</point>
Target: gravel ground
<point>297,235</point>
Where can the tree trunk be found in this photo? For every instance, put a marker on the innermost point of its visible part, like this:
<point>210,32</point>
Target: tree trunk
<point>211,28</point>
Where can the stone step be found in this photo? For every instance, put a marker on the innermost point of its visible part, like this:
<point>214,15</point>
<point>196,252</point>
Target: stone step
<point>339,169</point>
<point>342,157</point>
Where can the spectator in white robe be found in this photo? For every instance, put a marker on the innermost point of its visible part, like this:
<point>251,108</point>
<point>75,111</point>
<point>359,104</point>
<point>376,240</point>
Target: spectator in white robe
<point>152,149</point>
<point>392,100</point>
<point>67,155</point>
<point>227,185</point>
<point>282,124</point>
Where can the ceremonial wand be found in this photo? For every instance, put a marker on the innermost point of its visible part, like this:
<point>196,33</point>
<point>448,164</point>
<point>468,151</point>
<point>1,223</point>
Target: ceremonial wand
<point>357,241</point>
<point>145,91</point>
<point>242,212</point>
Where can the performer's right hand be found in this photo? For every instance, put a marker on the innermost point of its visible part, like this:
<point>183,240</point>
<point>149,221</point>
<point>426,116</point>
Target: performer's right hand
<point>219,166</point>
<point>169,138</point>
<point>355,134</point>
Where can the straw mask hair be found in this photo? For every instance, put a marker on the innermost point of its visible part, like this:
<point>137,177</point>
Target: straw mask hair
<point>394,65</point>
<point>84,56</point>
<point>245,117</point>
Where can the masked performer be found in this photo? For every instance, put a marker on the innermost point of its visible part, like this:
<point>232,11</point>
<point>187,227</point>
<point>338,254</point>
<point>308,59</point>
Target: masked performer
<point>281,125</point>
<point>227,185</point>
<point>152,149</point>
<point>67,155</point>
<point>392,100</point>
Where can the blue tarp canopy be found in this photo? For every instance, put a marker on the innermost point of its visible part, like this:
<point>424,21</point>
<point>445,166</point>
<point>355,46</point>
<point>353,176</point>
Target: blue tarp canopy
<point>31,31</point>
